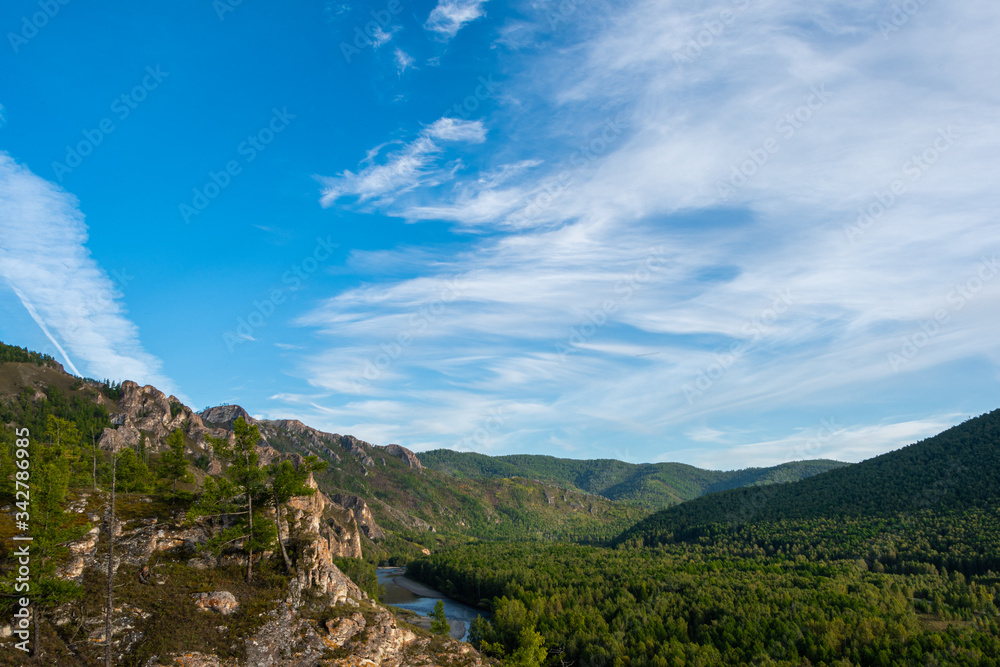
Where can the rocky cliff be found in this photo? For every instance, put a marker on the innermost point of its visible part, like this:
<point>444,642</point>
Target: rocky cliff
<point>146,411</point>
<point>317,617</point>
<point>328,443</point>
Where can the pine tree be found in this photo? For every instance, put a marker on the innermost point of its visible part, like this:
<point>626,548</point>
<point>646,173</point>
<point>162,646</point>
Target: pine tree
<point>439,623</point>
<point>111,563</point>
<point>236,495</point>
<point>133,475</point>
<point>287,482</point>
<point>173,466</point>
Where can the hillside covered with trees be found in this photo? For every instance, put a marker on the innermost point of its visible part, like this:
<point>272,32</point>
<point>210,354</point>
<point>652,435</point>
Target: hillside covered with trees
<point>893,561</point>
<point>954,470</point>
<point>652,485</point>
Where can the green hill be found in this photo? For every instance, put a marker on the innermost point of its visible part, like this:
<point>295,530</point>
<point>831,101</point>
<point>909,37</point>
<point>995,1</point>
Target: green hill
<point>892,561</point>
<point>514,497</point>
<point>951,474</point>
<point>431,507</point>
<point>650,485</point>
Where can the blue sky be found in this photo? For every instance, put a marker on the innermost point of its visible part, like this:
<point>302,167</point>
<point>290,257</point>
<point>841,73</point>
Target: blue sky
<point>727,233</point>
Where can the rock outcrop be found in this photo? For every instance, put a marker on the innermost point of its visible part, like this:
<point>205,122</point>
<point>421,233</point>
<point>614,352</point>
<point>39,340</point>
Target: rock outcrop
<point>321,442</point>
<point>147,410</point>
<point>342,629</point>
<point>362,515</point>
<point>225,415</point>
<point>328,529</point>
<point>222,602</point>
<point>405,454</point>
<point>323,620</point>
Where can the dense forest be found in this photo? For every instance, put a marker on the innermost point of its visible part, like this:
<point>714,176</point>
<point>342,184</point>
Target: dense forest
<point>694,604</point>
<point>954,469</point>
<point>24,355</point>
<point>893,561</point>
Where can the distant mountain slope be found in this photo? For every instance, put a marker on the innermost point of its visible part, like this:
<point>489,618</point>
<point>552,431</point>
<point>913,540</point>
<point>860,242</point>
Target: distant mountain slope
<point>394,501</point>
<point>953,471</point>
<point>653,485</point>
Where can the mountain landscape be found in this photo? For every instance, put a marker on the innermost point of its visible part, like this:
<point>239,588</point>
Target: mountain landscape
<point>892,561</point>
<point>954,471</point>
<point>565,557</point>
<point>651,485</point>
<point>375,504</point>
<point>484,333</point>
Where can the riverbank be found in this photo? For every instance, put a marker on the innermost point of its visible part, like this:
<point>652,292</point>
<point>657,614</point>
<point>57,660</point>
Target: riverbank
<point>417,588</point>
<point>417,601</point>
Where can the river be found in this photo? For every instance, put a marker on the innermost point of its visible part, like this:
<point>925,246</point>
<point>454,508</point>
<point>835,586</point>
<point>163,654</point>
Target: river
<point>408,594</point>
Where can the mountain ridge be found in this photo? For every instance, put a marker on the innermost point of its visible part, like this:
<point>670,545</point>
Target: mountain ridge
<point>398,499</point>
<point>953,470</point>
<point>648,484</point>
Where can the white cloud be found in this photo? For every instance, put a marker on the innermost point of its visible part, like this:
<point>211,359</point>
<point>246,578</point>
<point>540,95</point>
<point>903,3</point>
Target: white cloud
<point>449,16</point>
<point>844,112</point>
<point>381,37</point>
<point>411,166</point>
<point>826,440</point>
<point>45,261</point>
<point>454,129</point>
<point>404,61</point>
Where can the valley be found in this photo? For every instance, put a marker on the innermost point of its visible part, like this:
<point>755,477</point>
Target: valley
<point>889,561</point>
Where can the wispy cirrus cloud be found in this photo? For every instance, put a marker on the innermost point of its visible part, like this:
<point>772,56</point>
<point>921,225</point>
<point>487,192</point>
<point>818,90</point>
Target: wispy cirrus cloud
<point>449,16</point>
<point>403,170</point>
<point>45,262</point>
<point>403,60</point>
<point>750,159</point>
<point>825,440</point>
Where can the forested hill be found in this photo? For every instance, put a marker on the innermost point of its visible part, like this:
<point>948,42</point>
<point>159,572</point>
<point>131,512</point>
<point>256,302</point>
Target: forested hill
<point>653,485</point>
<point>953,471</point>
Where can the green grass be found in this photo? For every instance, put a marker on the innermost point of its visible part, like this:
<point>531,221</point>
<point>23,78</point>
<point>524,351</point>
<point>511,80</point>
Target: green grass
<point>175,624</point>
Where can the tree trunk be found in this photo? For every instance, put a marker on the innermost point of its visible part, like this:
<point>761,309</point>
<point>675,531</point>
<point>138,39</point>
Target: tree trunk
<point>277,525</point>
<point>36,649</point>
<point>250,536</point>
<point>111,571</point>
